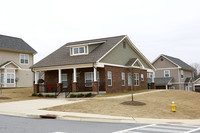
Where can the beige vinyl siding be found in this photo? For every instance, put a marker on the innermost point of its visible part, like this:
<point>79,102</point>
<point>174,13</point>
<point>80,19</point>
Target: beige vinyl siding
<point>24,74</point>
<point>197,82</point>
<point>121,56</point>
<point>186,75</point>
<point>163,64</point>
<point>15,56</point>
<point>25,78</point>
<point>173,74</point>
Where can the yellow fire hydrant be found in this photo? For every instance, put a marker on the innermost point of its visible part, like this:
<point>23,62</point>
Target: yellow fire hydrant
<point>173,106</point>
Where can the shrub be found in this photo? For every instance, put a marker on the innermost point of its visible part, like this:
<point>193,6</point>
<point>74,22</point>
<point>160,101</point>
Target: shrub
<point>40,95</point>
<point>72,95</point>
<point>34,94</point>
<point>80,95</point>
<point>47,95</point>
<point>52,96</point>
<point>88,95</point>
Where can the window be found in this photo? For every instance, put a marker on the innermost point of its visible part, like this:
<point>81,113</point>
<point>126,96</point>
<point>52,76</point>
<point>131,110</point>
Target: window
<point>142,77</point>
<point>109,74</point>
<point>64,80</point>
<point>123,78</point>
<point>129,79</point>
<point>182,74</point>
<point>150,75</point>
<point>166,73</point>
<point>78,50</point>
<point>89,78</point>
<point>24,58</point>
<point>136,77</point>
<point>2,78</point>
<point>10,78</point>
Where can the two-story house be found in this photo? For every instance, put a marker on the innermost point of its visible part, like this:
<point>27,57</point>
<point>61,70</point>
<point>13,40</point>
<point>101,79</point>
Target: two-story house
<point>173,73</point>
<point>110,64</point>
<point>16,57</point>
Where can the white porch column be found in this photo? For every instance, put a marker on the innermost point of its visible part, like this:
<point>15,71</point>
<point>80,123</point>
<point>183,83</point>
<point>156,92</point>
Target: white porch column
<point>95,74</point>
<point>74,76</point>
<point>153,76</point>
<point>166,87</point>
<point>36,77</point>
<point>59,76</point>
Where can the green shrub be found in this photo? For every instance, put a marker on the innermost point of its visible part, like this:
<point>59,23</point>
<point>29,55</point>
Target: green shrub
<point>72,95</point>
<point>88,95</point>
<point>80,95</point>
<point>40,95</point>
<point>34,94</point>
<point>52,96</point>
<point>47,95</point>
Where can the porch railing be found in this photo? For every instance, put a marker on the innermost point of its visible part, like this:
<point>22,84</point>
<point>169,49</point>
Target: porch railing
<point>56,89</point>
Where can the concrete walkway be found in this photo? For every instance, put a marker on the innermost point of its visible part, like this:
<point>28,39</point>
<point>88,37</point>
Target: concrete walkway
<point>31,108</point>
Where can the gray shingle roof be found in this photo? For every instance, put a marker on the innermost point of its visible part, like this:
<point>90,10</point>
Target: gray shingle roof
<point>62,55</point>
<point>179,62</point>
<point>13,43</point>
<point>161,81</point>
<point>131,61</point>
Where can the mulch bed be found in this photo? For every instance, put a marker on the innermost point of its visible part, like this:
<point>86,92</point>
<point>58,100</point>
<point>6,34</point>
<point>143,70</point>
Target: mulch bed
<point>134,103</point>
<point>4,98</point>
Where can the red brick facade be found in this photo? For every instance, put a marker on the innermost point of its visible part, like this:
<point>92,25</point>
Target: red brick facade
<point>51,77</point>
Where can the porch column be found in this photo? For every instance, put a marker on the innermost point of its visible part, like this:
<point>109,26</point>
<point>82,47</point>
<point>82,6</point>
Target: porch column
<point>95,83</point>
<point>166,87</point>
<point>153,81</point>
<point>74,84</point>
<point>59,76</point>
<point>36,85</point>
<point>59,88</point>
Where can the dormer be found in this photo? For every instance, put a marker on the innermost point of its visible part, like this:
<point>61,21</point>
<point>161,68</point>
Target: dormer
<point>83,49</point>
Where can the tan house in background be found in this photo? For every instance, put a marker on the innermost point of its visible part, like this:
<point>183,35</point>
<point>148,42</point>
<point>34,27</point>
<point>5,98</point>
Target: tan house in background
<point>173,73</point>
<point>16,56</point>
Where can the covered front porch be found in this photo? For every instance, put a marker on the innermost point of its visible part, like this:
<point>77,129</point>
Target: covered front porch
<point>77,79</point>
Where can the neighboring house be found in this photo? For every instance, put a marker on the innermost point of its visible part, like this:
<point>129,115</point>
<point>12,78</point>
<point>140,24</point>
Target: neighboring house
<point>173,72</point>
<point>16,57</point>
<point>196,84</point>
<point>106,64</point>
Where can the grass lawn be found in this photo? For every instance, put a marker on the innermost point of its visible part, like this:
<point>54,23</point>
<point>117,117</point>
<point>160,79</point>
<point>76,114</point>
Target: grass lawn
<point>152,105</point>
<point>16,94</point>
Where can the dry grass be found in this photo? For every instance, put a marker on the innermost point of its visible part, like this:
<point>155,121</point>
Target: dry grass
<point>152,105</point>
<point>124,93</point>
<point>16,94</point>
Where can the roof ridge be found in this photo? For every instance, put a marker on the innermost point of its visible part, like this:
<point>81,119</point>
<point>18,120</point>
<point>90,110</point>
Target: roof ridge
<point>11,36</point>
<point>97,39</point>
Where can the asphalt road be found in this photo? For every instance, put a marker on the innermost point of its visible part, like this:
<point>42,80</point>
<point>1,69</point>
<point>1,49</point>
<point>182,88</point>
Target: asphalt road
<point>11,124</point>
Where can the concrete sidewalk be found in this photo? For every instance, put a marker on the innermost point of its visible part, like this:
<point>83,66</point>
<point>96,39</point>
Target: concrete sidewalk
<point>31,108</point>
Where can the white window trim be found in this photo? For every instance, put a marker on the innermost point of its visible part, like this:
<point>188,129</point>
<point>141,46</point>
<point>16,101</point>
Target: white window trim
<point>110,77</point>
<point>168,72</point>
<point>10,78</point>
<point>64,80</point>
<point>72,49</point>
<point>2,78</point>
<point>123,78</point>
<point>24,60</point>
<point>182,73</point>
<point>138,78</point>
<point>92,73</point>
<point>129,79</point>
<point>142,77</point>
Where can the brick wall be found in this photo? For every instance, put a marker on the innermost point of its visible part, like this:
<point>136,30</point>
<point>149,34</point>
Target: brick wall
<point>117,82</point>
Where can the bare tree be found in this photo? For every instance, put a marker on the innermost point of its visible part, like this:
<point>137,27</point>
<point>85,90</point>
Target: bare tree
<point>196,67</point>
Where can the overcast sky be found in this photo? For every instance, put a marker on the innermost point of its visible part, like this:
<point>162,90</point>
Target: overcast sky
<point>156,27</point>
